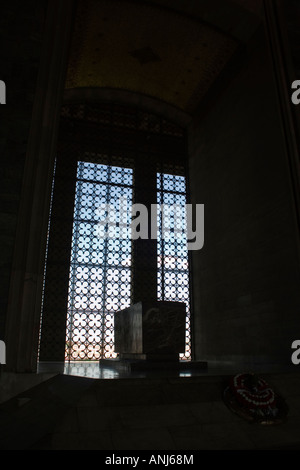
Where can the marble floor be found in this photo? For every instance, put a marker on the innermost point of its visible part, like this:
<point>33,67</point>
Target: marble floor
<point>67,407</point>
<point>68,412</point>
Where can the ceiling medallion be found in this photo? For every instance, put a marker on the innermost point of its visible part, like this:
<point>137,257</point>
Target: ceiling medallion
<point>145,55</point>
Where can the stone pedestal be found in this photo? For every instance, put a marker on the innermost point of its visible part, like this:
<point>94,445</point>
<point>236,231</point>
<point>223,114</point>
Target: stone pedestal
<point>151,331</point>
<point>150,335</point>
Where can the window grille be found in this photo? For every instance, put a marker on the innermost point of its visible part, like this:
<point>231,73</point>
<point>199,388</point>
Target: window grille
<point>100,270</point>
<point>107,151</point>
<point>172,253</point>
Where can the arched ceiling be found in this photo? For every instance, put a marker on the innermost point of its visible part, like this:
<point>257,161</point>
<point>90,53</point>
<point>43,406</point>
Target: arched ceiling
<point>254,6</point>
<point>173,55</point>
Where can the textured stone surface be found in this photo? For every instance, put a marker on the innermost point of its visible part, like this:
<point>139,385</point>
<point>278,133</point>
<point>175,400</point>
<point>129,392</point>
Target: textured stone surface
<point>21,26</point>
<point>76,413</point>
<point>156,328</point>
<point>246,277</point>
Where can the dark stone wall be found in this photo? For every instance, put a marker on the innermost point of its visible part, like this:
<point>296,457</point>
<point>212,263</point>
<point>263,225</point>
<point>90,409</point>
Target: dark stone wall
<point>246,278</point>
<point>21,34</point>
<point>292,16</point>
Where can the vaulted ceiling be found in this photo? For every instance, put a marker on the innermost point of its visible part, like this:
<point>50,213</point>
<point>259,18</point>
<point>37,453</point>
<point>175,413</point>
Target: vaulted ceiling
<point>169,50</point>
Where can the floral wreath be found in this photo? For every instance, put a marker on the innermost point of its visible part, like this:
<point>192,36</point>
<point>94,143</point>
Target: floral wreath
<point>252,398</point>
<point>250,390</point>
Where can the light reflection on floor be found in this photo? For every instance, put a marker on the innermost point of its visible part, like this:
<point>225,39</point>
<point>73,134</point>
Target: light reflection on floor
<point>93,370</point>
<point>89,369</point>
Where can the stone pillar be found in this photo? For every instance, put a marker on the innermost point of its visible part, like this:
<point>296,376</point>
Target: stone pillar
<point>149,331</point>
<point>24,307</point>
<point>145,250</point>
<point>284,66</point>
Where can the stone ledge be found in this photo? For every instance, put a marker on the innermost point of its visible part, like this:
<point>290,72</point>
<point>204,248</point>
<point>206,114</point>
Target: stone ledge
<point>143,365</point>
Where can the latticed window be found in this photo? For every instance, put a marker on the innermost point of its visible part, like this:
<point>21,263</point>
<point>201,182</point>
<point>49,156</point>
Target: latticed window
<point>100,271</point>
<point>172,253</point>
<point>108,153</point>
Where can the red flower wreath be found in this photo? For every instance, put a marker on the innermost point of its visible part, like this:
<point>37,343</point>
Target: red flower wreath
<point>251,391</point>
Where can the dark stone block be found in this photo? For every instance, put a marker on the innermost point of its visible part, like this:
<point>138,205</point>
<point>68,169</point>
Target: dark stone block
<point>151,330</point>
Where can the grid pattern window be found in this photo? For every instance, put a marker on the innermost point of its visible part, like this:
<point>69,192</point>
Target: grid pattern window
<point>100,268</point>
<point>172,252</point>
